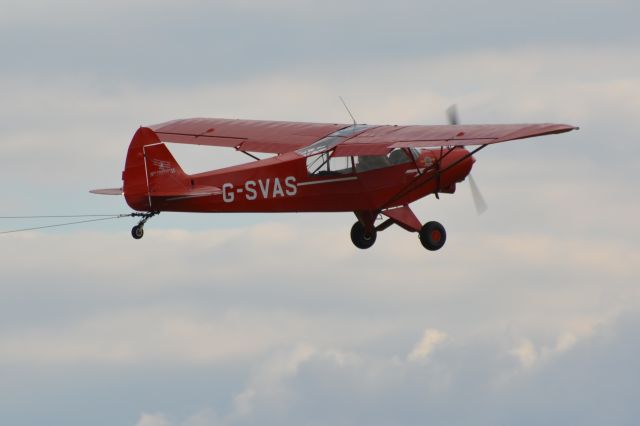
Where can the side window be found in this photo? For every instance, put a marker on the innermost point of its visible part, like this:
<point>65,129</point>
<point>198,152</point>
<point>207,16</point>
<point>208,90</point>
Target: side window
<point>341,165</point>
<point>365,163</point>
<point>324,165</point>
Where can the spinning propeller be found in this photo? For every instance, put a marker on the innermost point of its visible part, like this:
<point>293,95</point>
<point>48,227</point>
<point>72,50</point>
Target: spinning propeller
<point>478,199</point>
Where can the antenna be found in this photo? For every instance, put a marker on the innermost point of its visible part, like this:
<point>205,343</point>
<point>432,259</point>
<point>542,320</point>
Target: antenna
<point>349,111</point>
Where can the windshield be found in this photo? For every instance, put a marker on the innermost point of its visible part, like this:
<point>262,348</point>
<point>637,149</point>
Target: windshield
<point>332,140</point>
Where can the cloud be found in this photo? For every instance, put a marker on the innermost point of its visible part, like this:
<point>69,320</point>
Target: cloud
<point>299,384</point>
<point>430,339</point>
<point>153,420</point>
<point>195,41</point>
<point>526,353</point>
<point>159,335</point>
<point>116,307</point>
<point>49,122</point>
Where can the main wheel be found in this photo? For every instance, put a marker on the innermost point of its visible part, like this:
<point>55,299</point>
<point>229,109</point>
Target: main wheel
<point>360,238</point>
<point>137,232</point>
<point>433,236</point>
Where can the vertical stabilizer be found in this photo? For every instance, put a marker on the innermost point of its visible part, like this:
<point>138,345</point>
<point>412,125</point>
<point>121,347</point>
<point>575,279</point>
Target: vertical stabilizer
<point>150,170</point>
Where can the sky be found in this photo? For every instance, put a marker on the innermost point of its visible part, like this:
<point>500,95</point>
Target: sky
<point>529,315</point>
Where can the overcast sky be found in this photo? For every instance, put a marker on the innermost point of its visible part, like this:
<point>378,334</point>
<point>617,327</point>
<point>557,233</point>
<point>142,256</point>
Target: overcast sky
<point>529,315</point>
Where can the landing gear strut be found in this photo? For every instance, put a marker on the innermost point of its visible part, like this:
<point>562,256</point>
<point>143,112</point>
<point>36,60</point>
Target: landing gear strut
<point>137,231</point>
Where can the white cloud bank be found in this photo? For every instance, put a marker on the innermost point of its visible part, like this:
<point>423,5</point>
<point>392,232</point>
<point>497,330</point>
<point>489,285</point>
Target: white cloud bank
<point>311,385</point>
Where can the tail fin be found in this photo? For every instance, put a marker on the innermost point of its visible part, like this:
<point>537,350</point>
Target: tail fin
<point>150,170</point>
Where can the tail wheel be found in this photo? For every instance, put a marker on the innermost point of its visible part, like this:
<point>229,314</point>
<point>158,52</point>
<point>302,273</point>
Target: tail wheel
<point>433,236</point>
<point>360,238</point>
<point>137,232</point>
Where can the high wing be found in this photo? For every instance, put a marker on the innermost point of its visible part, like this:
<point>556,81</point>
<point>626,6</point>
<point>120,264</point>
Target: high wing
<point>380,140</point>
<point>278,137</point>
<point>275,137</point>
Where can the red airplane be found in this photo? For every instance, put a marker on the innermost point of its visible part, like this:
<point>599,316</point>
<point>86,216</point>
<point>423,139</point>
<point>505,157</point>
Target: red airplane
<point>365,169</point>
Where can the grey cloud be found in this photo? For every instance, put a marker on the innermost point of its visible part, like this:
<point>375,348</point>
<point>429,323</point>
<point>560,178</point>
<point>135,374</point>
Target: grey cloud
<point>49,125</point>
<point>173,304</point>
<point>64,281</point>
<point>475,382</point>
<point>185,45</point>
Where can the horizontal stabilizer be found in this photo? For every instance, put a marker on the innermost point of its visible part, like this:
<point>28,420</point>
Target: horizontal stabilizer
<point>107,191</point>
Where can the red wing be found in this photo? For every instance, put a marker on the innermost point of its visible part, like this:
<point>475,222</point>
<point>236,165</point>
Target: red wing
<point>276,137</point>
<point>380,140</point>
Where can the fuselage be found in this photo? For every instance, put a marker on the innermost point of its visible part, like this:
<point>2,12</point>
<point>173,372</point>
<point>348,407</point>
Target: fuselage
<point>316,183</point>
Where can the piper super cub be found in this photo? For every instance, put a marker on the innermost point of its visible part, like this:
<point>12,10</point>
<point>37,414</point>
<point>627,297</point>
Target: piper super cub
<point>370,170</point>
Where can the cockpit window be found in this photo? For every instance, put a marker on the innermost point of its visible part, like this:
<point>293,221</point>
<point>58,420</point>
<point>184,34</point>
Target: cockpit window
<point>400,156</point>
<point>332,140</point>
<point>365,163</point>
<point>324,165</point>
<point>322,145</point>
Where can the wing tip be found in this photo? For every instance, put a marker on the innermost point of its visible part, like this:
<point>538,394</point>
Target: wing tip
<point>563,128</point>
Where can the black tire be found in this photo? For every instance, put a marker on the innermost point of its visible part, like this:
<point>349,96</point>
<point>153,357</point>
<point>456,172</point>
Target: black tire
<point>137,232</point>
<point>433,236</point>
<point>360,239</point>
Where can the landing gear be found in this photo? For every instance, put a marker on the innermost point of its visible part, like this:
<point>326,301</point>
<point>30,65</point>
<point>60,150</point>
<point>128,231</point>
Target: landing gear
<point>433,236</point>
<point>137,231</point>
<point>361,238</point>
<point>364,231</point>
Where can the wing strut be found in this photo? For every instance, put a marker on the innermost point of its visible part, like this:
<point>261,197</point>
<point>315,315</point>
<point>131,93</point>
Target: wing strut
<point>249,154</point>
